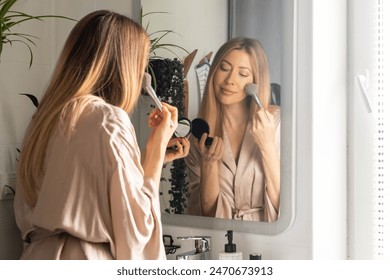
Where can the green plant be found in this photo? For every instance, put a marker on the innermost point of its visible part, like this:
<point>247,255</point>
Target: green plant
<point>157,43</point>
<point>9,19</point>
<point>157,37</point>
<point>169,75</point>
<point>168,81</point>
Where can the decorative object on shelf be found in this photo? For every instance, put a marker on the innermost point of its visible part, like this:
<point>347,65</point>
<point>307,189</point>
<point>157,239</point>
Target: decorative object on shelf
<point>10,18</point>
<point>202,71</point>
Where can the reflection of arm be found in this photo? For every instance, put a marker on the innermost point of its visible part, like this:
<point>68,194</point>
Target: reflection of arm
<point>203,182</point>
<point>209,179</point>
<point>268,139</point>
<point>271,164</point>
<point>209,187</point>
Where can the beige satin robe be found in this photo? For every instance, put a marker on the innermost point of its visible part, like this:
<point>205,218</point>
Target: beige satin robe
<point>242,193</point>
<point>94,202</point>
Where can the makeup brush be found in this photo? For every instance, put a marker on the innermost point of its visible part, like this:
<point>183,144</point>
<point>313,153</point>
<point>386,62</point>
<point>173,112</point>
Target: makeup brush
<point>147,86</point>
<point>251,90</point>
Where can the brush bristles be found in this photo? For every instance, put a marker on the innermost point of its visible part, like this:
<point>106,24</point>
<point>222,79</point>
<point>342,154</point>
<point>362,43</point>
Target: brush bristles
<point>251,89</point>
<point>147,80</point>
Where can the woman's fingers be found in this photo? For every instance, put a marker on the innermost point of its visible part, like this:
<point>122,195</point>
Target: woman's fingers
<point>168,116</point>
<point>214,151</point>
<point>178,148</point>
<point>171,114</point>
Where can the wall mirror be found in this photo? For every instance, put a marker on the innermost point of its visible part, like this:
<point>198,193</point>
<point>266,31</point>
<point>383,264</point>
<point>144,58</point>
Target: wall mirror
<point>273,23</point>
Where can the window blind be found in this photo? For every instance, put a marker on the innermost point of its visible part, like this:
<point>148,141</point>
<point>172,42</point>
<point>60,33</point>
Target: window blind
<point>368,129</point>
<point>381,149</point>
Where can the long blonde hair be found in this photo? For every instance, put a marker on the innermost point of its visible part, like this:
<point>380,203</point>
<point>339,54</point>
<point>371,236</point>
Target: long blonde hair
<point>211,109</point>
<point>104,57</point>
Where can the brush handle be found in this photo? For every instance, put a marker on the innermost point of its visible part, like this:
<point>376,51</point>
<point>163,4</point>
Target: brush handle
<point>157,102</point>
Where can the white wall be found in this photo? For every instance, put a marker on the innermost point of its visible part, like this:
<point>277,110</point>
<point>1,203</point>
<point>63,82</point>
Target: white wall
<point>318,230</point>
<point>329,117</point>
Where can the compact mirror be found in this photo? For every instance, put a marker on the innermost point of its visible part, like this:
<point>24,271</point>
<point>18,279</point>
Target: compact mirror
<point>183,128</point>
<point>200,126</point>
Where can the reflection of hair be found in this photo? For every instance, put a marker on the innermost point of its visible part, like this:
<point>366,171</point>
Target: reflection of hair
<point>210,109</point>
<point>104,57</point>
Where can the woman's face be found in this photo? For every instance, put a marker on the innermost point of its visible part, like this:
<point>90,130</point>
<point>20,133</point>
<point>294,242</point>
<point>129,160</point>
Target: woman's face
<point>231,76</point>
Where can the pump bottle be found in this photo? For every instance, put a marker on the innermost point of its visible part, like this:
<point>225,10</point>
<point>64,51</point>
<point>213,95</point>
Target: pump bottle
<point>230,252</point>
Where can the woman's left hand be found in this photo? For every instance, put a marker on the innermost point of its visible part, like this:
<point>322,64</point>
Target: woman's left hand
<point>177,148</point>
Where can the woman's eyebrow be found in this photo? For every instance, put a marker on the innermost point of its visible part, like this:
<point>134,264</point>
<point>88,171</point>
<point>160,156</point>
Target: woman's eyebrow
<point>240,67</point>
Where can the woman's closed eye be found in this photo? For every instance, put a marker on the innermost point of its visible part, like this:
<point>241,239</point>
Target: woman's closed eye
<point>244,74</point>
<point>225,67</point>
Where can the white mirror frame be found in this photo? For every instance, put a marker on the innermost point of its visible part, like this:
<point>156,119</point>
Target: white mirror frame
<point>288,146</point>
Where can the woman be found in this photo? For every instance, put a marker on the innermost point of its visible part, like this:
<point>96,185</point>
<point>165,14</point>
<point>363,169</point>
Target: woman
<point>83,191</point>
<point>238,176</point>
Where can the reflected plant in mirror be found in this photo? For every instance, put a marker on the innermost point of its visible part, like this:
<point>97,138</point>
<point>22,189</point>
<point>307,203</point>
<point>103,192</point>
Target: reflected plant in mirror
<point>166,80</point>
<point>237,176</point>
<point>168,74</point>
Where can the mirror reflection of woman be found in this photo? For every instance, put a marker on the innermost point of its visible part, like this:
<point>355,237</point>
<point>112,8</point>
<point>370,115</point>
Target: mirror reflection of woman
<point>238,175</point>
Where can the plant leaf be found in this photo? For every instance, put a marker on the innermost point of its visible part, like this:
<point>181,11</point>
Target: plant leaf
<point>9,19</point>
<point>7,4</point>
<point>157,36</point>
<point>33,98</point>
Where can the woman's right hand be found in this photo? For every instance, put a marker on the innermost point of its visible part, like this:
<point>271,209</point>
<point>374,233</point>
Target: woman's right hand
<point>163,124</point>
<point>214,152</point>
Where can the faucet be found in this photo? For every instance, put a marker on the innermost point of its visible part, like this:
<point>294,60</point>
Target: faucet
<point>202,248</point>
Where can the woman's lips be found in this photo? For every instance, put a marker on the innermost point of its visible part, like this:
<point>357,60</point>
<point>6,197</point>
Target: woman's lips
<point>227,91</point>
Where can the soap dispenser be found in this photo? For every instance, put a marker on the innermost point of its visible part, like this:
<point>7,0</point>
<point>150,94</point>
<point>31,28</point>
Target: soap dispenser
<point>230,252</point>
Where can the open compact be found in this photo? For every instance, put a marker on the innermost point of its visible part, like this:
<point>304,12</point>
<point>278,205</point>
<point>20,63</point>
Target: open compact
<point>183,127</point>
<point>197,127</point>
<point>200,126</point>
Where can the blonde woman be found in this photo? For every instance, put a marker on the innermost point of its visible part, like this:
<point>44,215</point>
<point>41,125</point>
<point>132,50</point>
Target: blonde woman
<point>83,191</point>
<point>238,176</point>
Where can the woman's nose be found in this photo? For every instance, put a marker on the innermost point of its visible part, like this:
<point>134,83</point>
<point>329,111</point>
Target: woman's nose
<point>230,78</point>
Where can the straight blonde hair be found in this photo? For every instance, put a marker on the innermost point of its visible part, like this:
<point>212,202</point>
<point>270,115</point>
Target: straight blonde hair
<point>104,57</point>
<point>211,109</point>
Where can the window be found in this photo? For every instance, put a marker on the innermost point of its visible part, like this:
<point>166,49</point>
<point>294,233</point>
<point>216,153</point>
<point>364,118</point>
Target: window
<point>369,123</point>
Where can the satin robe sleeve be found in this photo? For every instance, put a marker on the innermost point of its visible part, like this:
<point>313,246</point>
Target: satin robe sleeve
<point>134,199</point>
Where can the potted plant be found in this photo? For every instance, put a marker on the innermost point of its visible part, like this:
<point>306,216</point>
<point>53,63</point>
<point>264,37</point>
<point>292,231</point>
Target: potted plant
<point>169,78</point>
<point>9,19</point>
